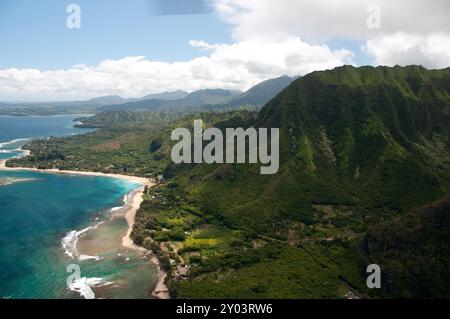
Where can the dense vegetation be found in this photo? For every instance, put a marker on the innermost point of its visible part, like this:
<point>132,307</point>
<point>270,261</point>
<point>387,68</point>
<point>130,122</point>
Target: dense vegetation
<point>414,252</point>
<point>361,148</point>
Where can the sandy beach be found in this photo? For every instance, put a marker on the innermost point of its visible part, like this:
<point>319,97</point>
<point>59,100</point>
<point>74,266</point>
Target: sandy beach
<point>141,180</point>
<point>160,291</point>
<point>134,201</point>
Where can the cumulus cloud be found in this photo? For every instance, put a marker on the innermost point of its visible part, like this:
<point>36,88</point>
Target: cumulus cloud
<point>230,66</point>
<point>327,19</point>
<point>404,48</point>
<point>411,31</point>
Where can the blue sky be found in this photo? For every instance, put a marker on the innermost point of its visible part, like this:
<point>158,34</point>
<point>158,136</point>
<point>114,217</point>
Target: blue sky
<point>133,48</point>
<point>34,34</point>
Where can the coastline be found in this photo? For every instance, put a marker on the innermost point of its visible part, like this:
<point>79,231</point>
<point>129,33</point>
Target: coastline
<point>141,180</point>
<point>136,197</point>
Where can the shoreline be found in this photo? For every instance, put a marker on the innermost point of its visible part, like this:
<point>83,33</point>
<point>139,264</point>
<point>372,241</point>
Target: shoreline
<point>134,201</point>
<point>141,180</point>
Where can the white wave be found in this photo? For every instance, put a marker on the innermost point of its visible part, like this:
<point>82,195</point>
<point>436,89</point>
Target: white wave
<point>115,209</point>
<point>15,150</point>
<point>84,286</point>
<point>19,153</point>
<point>11,151</point>
<point>13,142</point>
<point>69,242</point>
<point>87,257</point>
<point>9,181</point>
<point>125,203</point>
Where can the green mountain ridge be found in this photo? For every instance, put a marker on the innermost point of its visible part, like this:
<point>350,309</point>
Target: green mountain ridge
<point>210,99</point>
<point>343,143</point>
<point>168,96</point>
<point>156,113</point>
<point>261,93</point>
<point>358,146</point>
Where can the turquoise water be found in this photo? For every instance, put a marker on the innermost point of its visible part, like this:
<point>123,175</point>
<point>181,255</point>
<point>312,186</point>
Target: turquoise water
<point>41,216</point>
<point>36,212</point>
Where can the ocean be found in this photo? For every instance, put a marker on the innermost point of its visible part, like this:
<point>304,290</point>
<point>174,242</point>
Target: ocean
<point>17,130</point>
<point>55,227</point>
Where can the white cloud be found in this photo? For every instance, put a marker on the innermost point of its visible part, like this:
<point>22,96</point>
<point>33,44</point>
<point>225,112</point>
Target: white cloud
<point>432,51</point>
<point>328,19</point>
<point>229,66</point>
<point>202,45</point>
<point>411,31</point>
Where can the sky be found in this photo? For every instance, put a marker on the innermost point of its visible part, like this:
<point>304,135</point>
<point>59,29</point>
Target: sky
<point>134,48</point>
